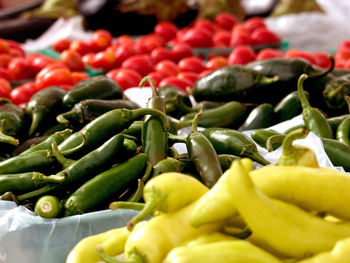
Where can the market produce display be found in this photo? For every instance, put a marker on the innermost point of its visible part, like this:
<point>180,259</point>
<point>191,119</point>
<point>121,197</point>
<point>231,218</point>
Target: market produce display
<point>72,142</point>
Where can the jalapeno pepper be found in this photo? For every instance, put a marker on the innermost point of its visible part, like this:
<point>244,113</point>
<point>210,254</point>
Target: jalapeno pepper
<point>18,183</point>
<point>42,106</point>
<point>262,116</point>
<point>314,119</point>
<point>338,152</point>
<point>335,90</point>
<point>154,135</point>
<point>170,94</point>
<point>260,136</point>
<point>203,155</point>
<point>48,206</point>
<point>167,165</point>
<point>11,123</point>
<point>343,130</point>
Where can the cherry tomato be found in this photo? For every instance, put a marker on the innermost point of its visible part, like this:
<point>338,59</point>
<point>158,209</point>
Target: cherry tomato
<point>125,77</point>
<point>80,47</point>
<point>55,77</point>
<point>104,60</point>
<point>193,64</point>
<point>72,59</point>
<point>267,53</point>
<point>240,36</point>
<point>61,45</point>
<point>79,76</point>
<point>339,63</point>
<point>20,69</point>
<point>251,24</point>
<point>167,68</point>
<point>123,39</point>
<point>264,36</point>
<point>156,77</point>
<point>322,59</point>
<point>198,37</point>
<point>145,44</point>
<point>5,59</point>
<point>166,30</point>
<point>241,55</point>
<point>205,72</point>
<point>175,81</point>
<point>87,59</point>
<point>5,87</point>
<point>141,63</point>
<point>4,46</point>
<point>181,50</point>
<point>293,53</point>
<point>188,75</point>
<point>347,64</point>
<point>161,53</point>
<point>38,61</point>
<point>23,93</point>
<point>222,39</point>
<point>343,51</point>
<point>204,24</point>
<point>225,20</point>
<point>122,52</point>
<point>5,74</point>
<point>48,68</point>
<point>100,40</point>
<point>15,52</point>
<point>216,62</point>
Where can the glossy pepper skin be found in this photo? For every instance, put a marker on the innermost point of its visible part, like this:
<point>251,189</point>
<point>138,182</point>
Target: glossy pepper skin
<point>104,185</point>
<point>18,183</point>
<point>87,110</point>
<point>231,141</point>
<point>262,116</point>
<point>335,90</point>
<point>203,155</point>
<point>343,130</point>
<point>154,134</point>
<point>98,87</point>
<point>111,241</point>
<point>42,106</point>
<point>260,136</point>
<point>11,123</point>
<point>302,233</point>
<point>313,118</point>
<point>337,152</point>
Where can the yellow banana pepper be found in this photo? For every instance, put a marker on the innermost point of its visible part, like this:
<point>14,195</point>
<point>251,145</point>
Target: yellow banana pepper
<point>285,227</point>
<point>232,251</point>
<point>339,254</point>
<point>208,238</point>
<point>111,241</point>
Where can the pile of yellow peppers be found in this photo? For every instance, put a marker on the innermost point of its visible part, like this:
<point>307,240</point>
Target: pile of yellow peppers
<point>279,213</point>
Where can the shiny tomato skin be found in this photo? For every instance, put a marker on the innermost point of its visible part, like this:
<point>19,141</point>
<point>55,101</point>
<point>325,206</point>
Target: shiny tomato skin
<point>222,39</point>
<point>175,81</point>
<point>240,37</point>
<point>88,58</point>
<point>205,24</point>
<point>264,36</point>
<point>122,52</point>
<point>294,53</point>
<point>267,53</point>
<point>156,77</point>
<point>61,45</point>
<point>5,87</point>
<point>167,68</point>
<point>54,77</point>
<point>188,75</point>
<point>72,59</point>
<point>198,38</point>
<point>22,94</point>
<point>100,40</point>
<point>4,46</point>
<point>193,64</point>
<point>241,55</point>
<point>5,59</point>
<point>79,76</point>
<point>20,69</point>
<point>39,61</point>
<point>216,62</point>
<point>225,20</point>
<point>181,50</point>
<point>161,53</point>
<point>141,63</point>
<point>125,77</point>
<point>104,60</point>
<point>5,74</point>
<point>81,47</point>
<point>166,30</point>
<point>322,59</point>
<point>253,23</point>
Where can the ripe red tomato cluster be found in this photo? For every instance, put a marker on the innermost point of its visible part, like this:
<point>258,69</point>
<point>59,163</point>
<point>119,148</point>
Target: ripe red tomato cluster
<point>342,55</point>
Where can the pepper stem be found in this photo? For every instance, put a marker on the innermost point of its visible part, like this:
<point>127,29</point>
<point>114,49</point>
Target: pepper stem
<point>147,210</point>
<point>137,195</point>
<point>288,148</point>
<point>303,99</point>
<point>274,142</point>
<point>196,120</point>
<point>148,172</point>
<point>65,162</point>
<point>145,111</point>
<point>347,99</point>
<point>72,150</point>
<point>143,81</point>
<point>76,114</point>
<point>182,105</point>
<point>8,139</point>
<point>126,205</point>
<point>43,190</point>
<point>36,119</point>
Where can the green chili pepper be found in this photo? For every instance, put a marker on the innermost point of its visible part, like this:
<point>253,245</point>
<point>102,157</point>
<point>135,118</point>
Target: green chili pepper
<point>48,206</point>
<point>87,110</point>
<point>203,155</point>
<point>338,152</point>
<point>226,160</point>
<point>230,141</point>
<point>19,182</point>
<point>343,130</point>
<point>154,135</point>
<point>262,116</point>
<point>99,87</point>
<point>11,123</point>
<point>289,106</point>
<point>335,121</point>
<point>135,129</point>
<point>42,106</point>
<point>104,185</point>
<point>28,143</point>
<point>260,136</point>
<point>34,161</point>
<point>229,115</point>
<point>313,118</point>
<point>105,126</point>
<point>167,165</point>
<point>169,93</point>
<point>335,90</point>
<point>275,141</point>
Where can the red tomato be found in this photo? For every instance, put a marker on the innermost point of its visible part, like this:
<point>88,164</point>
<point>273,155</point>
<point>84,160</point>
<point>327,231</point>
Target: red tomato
<point>104,60</point>
<point>61,45</point>
<point>4,46</point>
<point>123,39</point>
<point>188,75</point>
<point>240,36</point>
<point>204,24</point>
<point>55,77</point>
<point>251,24</point>
<point>5,74</point>
<point>161,53</point>
<point>4,60</point>
<point>156,77</point>
<point>79,76</point>
<point>322,59</point>
<point>193,64</point>
<point>23,93</point>
<point>198,37</point>
<point>167,68</point>
<point>15,52</point>
<point>48,68</point>
<point>141,63</point>
<point>241,55</point>
<point>264,36</point>
<point>100,40</point>
<point>222,39</point>
<point>166,30</point>
<point>72,59</point>
<point>175,81</point>
<point>216,62</point>
<point>343,51</point>
<point>267,53</point>
<point>339,63</point>
<point>347,64</point>
<point>181,32</point>
<point>225,20</point>
<point>122,52</point>
<point>125,77</point>
<point>80,47</point>
<point>20,69</point>
<point>38,61</point>
<point>87,59</point>
<point>181,50</point>
<point>5,87</point>
<point>293,53</point>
